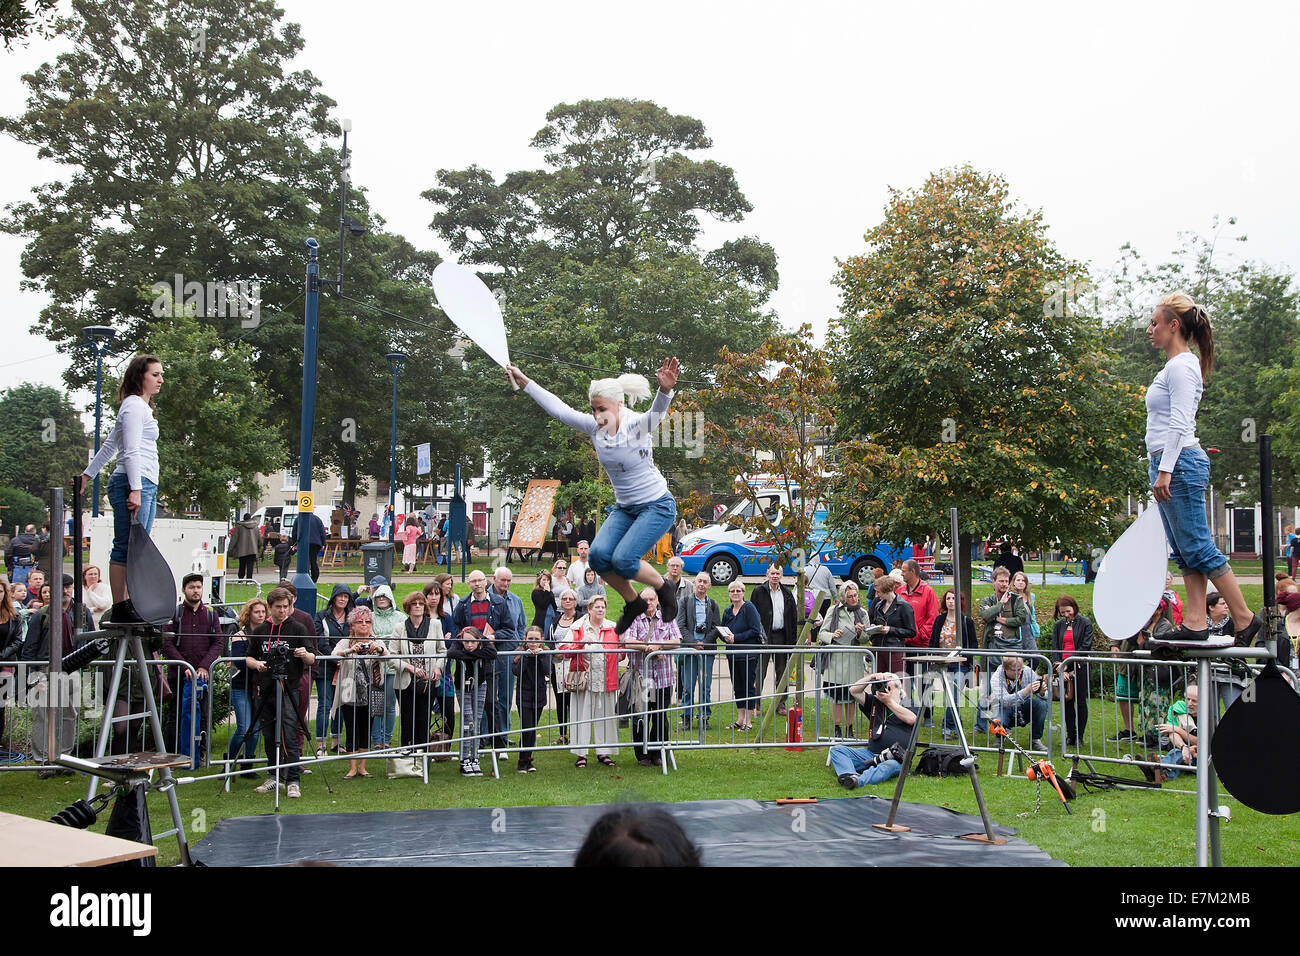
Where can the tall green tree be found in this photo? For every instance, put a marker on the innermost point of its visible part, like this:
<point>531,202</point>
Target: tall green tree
<point>596,258</point>
<point>21,18</point>
<point>963,383</point>
<point>43,442</point>
<point>193,149</point>
<point>215,434</point>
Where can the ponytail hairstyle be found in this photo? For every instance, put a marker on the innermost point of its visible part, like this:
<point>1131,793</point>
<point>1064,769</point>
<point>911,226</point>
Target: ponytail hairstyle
<point>634,387</point>
<point>1194,326</point>
<point>133,379</point>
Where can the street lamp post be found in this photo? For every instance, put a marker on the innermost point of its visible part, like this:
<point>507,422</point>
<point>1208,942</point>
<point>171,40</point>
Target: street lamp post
<point>395,362</point>
<point>99,338</point>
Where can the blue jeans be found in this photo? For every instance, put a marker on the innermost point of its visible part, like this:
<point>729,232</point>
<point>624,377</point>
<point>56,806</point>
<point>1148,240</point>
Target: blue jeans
<point>244,736</point>
<point>117,492</point>
<point>854,759</point>
<point>1174,759</point>
<point>325,725</point>
<point>697,676</point>
<point>185,736</point>
<point>1031,710</point>
<point>381,727</point>
<point>1183,515</point>
<point>628,533</point>
<point>957,679</point>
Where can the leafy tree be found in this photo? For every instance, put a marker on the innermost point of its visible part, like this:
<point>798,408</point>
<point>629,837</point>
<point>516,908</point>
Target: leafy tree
<point>18,18</point>
<point>193,149</point>
<point>215,436</point>
<point>961,383</point>
<point>43,442</point>
<point>18,509</point>
<point>596,259</point>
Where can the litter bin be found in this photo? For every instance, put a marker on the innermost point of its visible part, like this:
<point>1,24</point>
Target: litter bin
<point>377,558</point>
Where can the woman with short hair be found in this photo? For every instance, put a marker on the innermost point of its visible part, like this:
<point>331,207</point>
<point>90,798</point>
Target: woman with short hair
<point>359,695</point>
<point>899,623</point>
<point>842,627</point>
<point>744,628</point>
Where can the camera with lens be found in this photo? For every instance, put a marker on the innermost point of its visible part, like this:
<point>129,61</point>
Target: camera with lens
<point>877,687</point>
<point>277,655</point>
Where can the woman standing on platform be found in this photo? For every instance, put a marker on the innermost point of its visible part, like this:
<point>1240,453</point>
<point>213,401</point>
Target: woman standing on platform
<point>133,488</point>
<point>1180,470</point>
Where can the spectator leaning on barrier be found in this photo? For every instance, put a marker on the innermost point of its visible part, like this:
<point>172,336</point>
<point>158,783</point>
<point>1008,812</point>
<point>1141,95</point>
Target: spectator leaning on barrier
<point>880,697</point>
<point>952,631</point>
<point>1072,634</point>
<point>742,629</point>
<point>331,627</point>
<point>558,634</point>
<point>698,617</point>
<point>358,692</point>
<point>36,650</point>
<point>899,625</point>
<point>1014,692</point>
<point>779,616</point>
<point>279,634</point>
<point>649,633</point>
<point>843,627</point>
<point>316,646</point>
<point>421,655</point>
<point>388,627</point>
<point>195,637</point>
<point>1003,612</point>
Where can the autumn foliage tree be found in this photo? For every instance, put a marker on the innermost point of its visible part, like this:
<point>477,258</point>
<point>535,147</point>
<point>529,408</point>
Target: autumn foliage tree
<point>964,383</point>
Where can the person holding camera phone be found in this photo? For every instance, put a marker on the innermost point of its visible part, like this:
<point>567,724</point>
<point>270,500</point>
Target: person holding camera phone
<point>359,694</point>
<point>880,697</point>
<point>277,651</point>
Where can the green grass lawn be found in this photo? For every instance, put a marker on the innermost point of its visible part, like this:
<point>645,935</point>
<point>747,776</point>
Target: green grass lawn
<point>1116,828</point>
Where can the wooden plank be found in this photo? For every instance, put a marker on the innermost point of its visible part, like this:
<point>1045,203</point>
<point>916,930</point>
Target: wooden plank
<point>535,514</point>
<point>28,842</point>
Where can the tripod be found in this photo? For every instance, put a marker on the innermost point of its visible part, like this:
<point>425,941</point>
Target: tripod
<point>282,690</point>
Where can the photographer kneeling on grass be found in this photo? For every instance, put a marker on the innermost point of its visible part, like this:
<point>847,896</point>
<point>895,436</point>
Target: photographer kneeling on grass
<point>879,696</point>
<point>277,652</point>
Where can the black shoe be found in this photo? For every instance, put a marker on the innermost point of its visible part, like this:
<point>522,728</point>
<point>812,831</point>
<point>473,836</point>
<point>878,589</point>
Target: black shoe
<point>1250,630</point>
<point>686,723</point>
<point>668,599</point>
<point>848,781</point>
<point>631,612</point>
<point>124,612</point>
<point>1184,633</point>
<point>1123,735</point>
<point>839,732</point>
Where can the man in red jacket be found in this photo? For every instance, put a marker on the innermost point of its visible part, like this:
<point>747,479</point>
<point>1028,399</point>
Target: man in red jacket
<point>925,607</point>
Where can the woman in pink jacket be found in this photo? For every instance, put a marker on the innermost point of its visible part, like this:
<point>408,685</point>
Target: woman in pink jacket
<point>593,711</point>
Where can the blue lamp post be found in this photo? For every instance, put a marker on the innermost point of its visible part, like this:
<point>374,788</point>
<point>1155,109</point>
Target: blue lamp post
<point>99,338</point>
<point>395,362</point>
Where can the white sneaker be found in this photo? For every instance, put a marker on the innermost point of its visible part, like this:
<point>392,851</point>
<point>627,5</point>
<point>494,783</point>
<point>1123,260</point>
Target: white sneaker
<point>267,786</point>
<point>474,769</point>
<point>466,768</point>
<point>1036,745</point>
<point>294,790</point>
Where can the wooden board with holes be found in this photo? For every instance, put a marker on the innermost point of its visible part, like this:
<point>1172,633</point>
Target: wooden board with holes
<point>535,514</point>
<point>27,842</point>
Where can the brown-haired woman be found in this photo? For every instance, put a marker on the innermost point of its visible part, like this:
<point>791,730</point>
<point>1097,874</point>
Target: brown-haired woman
<point>1071,636</point>
<point>133,488</point>
<point>11,643</point>
<point>421,656</point>
<point>1180,470</point>
<point>242,688</point>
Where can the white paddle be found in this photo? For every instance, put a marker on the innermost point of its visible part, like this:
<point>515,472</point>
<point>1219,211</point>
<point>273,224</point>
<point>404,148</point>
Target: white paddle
<point>473,308</point>
<point>1131,577</point>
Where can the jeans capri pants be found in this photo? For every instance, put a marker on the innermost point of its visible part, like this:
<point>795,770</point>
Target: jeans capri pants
<point>628,533</point>
<point>1183,515</point>
<point>117,493</point>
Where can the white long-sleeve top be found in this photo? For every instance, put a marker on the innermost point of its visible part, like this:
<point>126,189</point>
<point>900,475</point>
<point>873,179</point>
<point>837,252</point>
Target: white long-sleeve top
<point>627,456</point>
<point>134,440</point>
<point>1172,401</point>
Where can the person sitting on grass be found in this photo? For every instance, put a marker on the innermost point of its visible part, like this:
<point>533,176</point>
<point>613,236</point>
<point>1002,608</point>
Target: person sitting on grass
<point>1180,728</point>
<point>880,697</point>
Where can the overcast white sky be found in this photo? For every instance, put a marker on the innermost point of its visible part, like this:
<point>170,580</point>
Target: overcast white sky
<point>1122,122</point>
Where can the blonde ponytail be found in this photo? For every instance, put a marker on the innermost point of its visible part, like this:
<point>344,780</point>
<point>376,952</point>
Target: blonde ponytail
<point>632,386</point>
<point>1194,326</point>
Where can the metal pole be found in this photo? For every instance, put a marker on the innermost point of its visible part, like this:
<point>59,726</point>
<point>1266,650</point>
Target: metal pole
<point>54,614</point>
<point>99,384</point>
<point>1281,648</point>
<point>311,319</point>
<point>392,463</point>
<point>343,201</point>
<point>1204,822</point>
<point>76,547</point>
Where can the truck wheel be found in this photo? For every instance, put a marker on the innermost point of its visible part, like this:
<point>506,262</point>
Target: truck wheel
<point>723,570</point>
<point>861,574</point>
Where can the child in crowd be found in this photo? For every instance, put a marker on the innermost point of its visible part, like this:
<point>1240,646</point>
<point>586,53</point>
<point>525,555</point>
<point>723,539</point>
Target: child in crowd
<point>472,654</point>
<point>1180,728</point>
<point>532,668</point>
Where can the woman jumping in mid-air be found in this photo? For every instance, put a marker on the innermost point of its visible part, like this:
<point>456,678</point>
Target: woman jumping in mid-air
<point>644,510</point>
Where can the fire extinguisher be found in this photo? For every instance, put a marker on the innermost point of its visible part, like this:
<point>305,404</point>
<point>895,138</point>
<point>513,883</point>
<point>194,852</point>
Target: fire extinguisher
<point>794,727</point>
